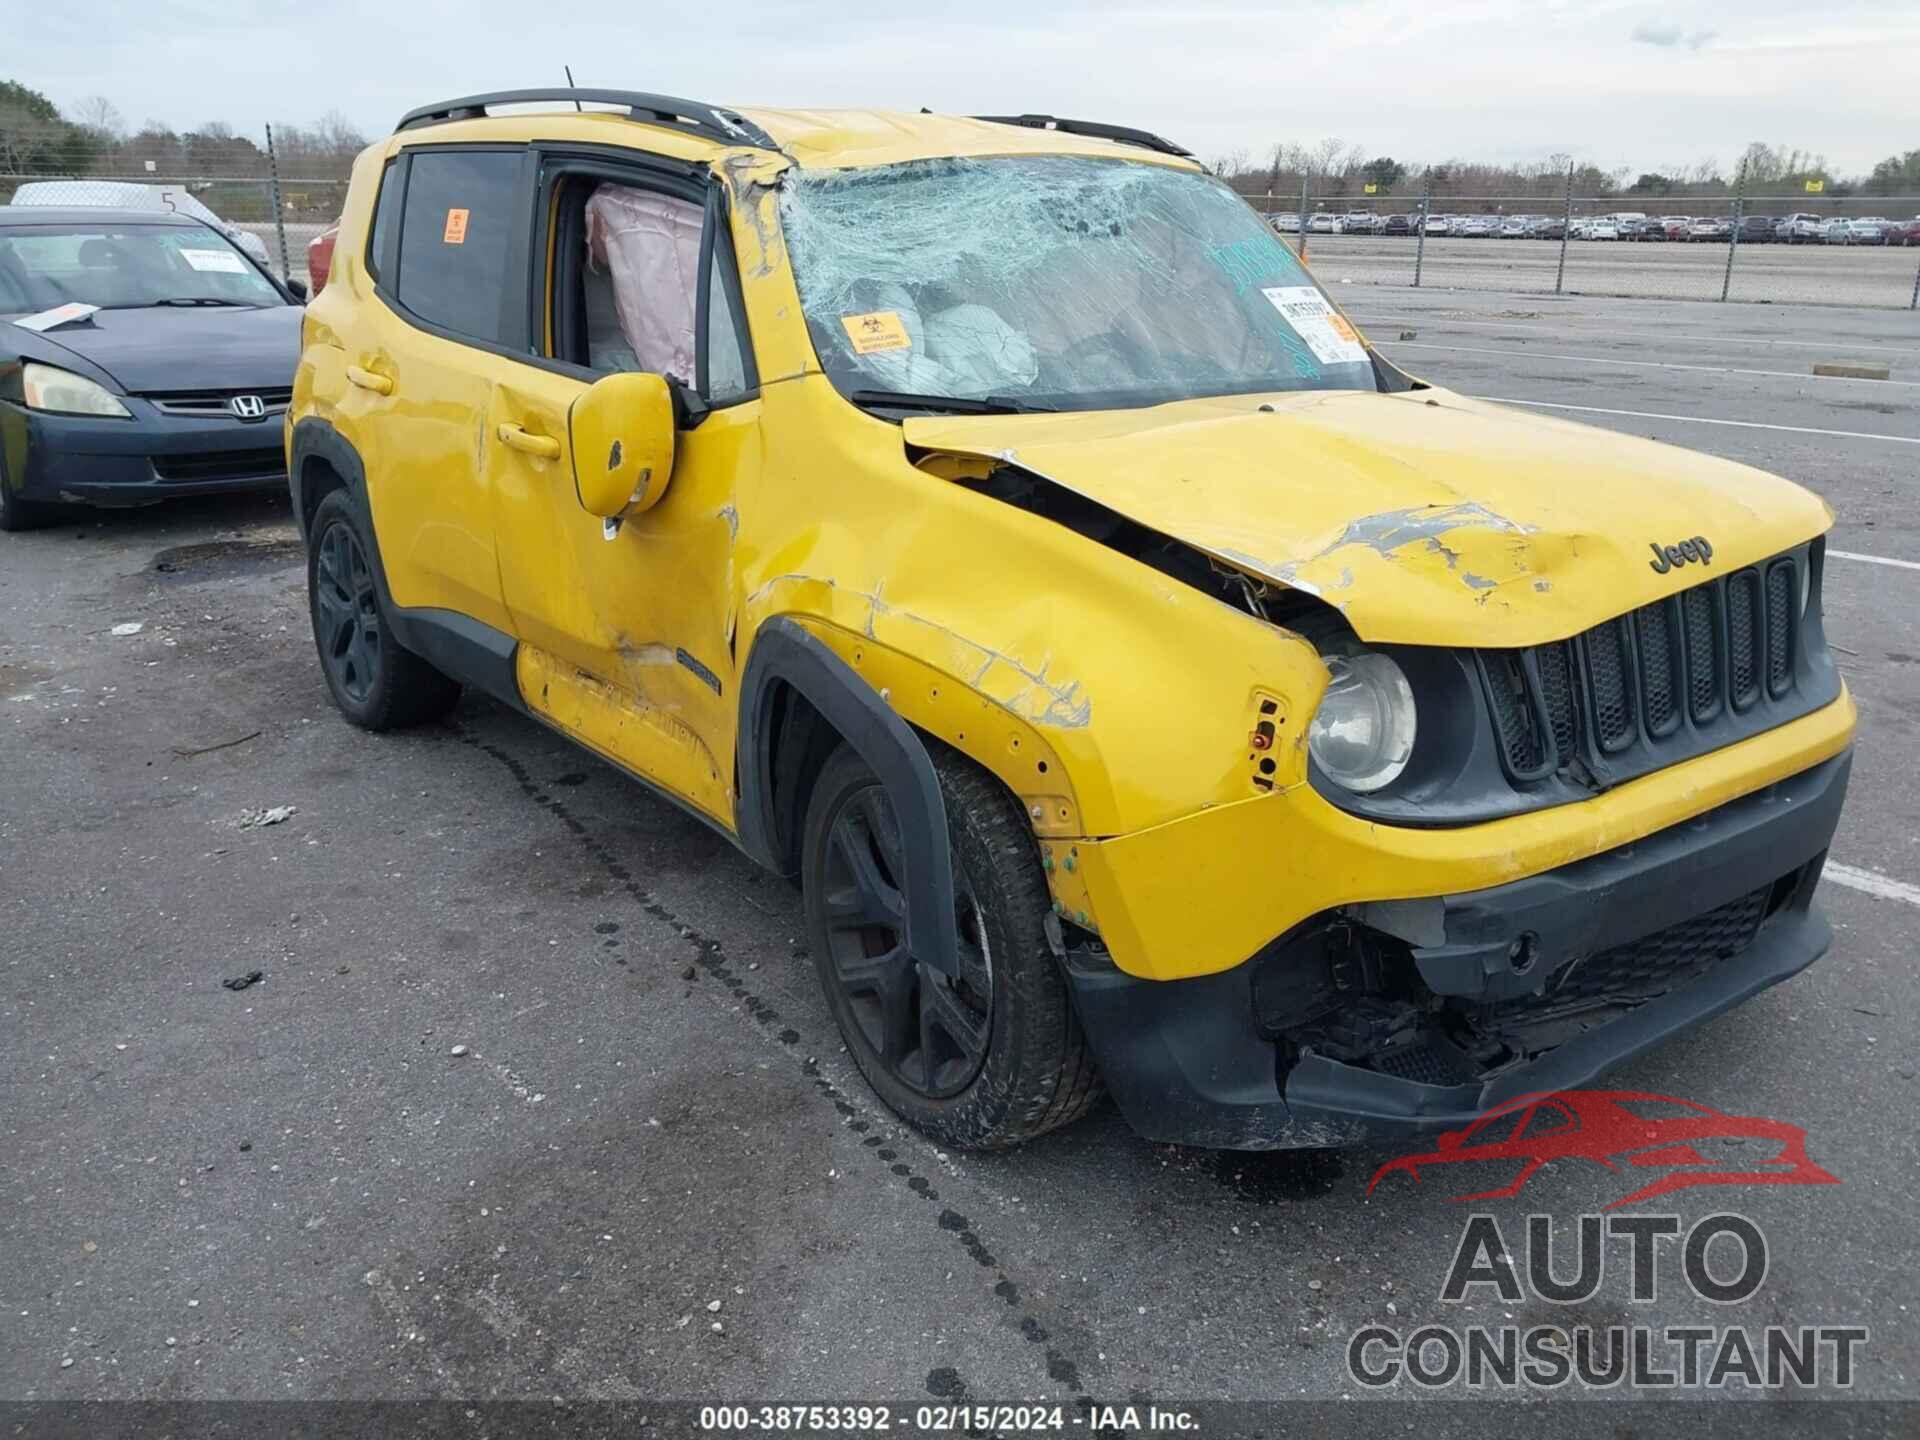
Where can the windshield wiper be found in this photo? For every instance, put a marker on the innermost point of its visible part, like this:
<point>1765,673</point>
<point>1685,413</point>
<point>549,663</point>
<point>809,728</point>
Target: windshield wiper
<point>952,404</point>
<point>194,300</point>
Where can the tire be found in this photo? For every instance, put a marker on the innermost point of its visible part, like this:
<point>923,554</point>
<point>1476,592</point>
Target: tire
<point>997,1059</point>
<point>17,514</point>
<point>378,683</point>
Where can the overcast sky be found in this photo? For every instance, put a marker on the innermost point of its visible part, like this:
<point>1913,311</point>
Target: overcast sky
<point>1648,86</point>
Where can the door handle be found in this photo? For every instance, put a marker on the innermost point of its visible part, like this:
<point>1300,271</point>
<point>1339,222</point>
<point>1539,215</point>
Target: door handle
<point>543,447</point>
<point>370,380</point>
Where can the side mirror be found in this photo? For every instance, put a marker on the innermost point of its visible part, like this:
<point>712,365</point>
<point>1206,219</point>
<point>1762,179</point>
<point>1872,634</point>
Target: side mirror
<point>621,435</point>
<point>297,289</point>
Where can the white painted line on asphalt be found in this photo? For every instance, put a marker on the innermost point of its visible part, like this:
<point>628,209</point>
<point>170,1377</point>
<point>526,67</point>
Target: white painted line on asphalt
<point>1643,364</point>
<point>1874,559</point>
<point>1412,321</point>
<point>1872,882</point>
<point>1700,420</point>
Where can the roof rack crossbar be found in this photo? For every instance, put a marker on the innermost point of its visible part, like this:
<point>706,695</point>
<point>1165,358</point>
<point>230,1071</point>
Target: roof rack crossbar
<point>1121,133</point>
<point>710,122</point>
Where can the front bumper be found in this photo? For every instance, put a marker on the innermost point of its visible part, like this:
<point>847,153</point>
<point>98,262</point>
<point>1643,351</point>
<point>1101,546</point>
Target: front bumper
<point>1195,1062</point>
<point>137,461</point>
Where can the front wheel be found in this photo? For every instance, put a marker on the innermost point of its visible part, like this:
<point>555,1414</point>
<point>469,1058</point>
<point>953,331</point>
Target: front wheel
<point>18,514</point>
<point>988,1058</point>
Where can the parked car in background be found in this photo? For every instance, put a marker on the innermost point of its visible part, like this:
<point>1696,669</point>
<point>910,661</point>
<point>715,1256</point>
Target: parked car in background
<point>142,357</point>
<point>1801,229</point>
<point>1479,227</point>
<point>1323,222</point>
<point>1553,227</point>
<point>1834,232</point>
<point>1870,230</point>
<point>1602,227</point>
<point>1756,229</point>
<point>1439,225</point>
<point>320,257</point>
<point>1675,226</point>
<point>1397,225</point>
<point>1285,222</point>
<point>1710,228</point>
<point>129,195</point>
<point>1359,222</point>
<point>1517,227</point>
<point>1904,232</point>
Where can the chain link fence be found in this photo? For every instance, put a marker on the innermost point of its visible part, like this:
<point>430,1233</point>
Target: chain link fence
<point>1808,249</point>
<point>1851,250</point>
<point>275,221</point>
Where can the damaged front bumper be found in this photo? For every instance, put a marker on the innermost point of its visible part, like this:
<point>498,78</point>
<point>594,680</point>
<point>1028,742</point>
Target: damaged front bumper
<point>1382,1021</point>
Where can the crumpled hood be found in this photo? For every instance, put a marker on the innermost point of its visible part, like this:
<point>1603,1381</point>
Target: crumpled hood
<point>1426,517</point>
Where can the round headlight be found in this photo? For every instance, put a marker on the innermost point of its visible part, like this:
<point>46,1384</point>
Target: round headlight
<point>1362,735</point>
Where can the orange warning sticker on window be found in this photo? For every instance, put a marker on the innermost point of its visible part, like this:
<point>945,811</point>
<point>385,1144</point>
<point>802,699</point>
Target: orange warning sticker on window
<point>456,231</point>
<point>877,331</point>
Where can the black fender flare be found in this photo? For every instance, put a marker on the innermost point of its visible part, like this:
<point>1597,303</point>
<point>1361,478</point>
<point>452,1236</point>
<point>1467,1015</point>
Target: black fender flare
<point>784,652</point>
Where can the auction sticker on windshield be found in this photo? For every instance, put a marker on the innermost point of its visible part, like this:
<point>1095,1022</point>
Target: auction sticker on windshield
<point>1327,333</point>
<point>225,261</point>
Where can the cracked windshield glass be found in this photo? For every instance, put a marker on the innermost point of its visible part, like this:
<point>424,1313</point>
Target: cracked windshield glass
<point>1056,283</point>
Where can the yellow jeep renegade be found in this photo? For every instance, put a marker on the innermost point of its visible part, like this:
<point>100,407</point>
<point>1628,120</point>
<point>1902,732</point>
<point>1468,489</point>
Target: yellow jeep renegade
<point>990,523</point>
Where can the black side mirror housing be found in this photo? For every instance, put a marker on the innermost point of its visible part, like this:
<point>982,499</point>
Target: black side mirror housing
<point>297,289</point>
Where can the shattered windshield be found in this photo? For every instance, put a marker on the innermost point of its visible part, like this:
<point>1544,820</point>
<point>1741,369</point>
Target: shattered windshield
<point>1055,282</point>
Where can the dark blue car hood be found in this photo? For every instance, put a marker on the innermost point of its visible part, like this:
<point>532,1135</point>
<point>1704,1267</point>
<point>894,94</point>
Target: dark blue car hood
<point>178,348</point>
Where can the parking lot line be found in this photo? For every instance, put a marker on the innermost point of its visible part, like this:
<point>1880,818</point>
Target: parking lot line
<point>1666,335</point>
<point>1700,420</point>
<point>1871,882</point>
<point>1642,364</point>
<point>1873,559</point>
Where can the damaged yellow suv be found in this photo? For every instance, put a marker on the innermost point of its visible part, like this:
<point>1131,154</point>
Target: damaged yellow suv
<point>990,523</point>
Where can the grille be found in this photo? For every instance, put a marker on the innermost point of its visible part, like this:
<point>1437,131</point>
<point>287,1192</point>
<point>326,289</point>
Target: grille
<point>1656,964</point>
<point>1421,1062</point>
<point>221,465</point>
<point>1677,664</point>
<point>213,404</point>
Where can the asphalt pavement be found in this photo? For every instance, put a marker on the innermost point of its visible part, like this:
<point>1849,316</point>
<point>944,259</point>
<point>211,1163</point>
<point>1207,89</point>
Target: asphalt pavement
<point>535,1096</point>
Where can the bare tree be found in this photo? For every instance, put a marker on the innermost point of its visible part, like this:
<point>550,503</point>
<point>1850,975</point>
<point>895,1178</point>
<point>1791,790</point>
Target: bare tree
<point>100,115</point>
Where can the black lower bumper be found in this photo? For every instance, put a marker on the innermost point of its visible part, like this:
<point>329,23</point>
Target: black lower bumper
<point>1191,1062</point>
<point>145,458</point>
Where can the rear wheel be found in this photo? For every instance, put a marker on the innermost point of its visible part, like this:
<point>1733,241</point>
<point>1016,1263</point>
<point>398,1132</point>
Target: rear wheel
<point>377,683</point>
<point>988,1058</point>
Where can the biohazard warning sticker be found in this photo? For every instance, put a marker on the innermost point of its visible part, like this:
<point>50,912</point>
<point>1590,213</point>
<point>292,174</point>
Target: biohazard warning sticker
<point>456,231</point>
<point>1327,333</point>
<point>877,331</point>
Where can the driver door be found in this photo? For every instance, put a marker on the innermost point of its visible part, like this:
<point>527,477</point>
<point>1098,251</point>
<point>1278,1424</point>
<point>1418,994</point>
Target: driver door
<point>627,629</point>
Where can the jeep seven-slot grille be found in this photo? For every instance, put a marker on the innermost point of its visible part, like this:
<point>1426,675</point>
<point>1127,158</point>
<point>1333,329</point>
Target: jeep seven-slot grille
<point>1646,676</point>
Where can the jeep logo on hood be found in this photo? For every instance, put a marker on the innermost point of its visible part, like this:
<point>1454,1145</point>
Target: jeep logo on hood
<point>1672,557</point>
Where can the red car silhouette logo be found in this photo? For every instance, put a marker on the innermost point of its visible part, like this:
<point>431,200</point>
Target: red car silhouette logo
<point>1620,1129</point>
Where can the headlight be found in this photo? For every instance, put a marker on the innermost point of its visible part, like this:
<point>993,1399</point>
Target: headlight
<point>68,394</point>
<point>1362,735</point>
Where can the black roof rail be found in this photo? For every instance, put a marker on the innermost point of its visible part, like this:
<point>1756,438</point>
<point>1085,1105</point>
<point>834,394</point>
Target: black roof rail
<point>1122,133</point>
<point>709,122</point>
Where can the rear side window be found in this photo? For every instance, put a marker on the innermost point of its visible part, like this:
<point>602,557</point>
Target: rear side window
<point>464,209</point>
<point>386,219</point>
